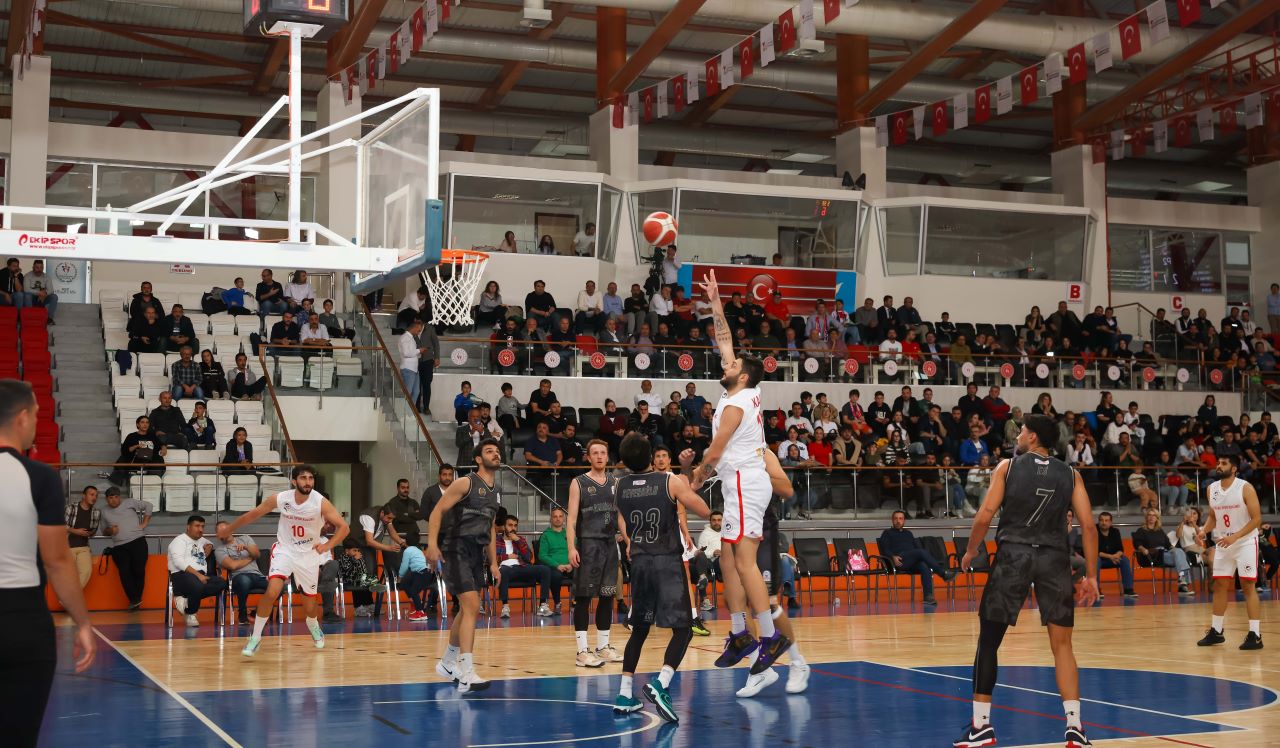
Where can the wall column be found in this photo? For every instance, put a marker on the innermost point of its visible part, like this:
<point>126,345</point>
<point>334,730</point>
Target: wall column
<point>29,140</point>
<point>616,151</point>
<point>1083,183</point>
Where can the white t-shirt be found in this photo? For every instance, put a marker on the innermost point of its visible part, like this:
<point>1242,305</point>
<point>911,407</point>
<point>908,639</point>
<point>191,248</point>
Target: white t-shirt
<point>300,291</point>
<point>320,333</point>
<point>510,551</point>
<point>783,447</point>
<point>660,306</point>
<point>709,539</point>
<point>408,352</point>
<point>186,551</point>
<point>744,449</point>
<point>702,309</point>
<point>584,243</point>
<point>653,398</point>
<point>590,302</point>
<point>890,349</point>
<point>801,423</point>
<point>410,302</point>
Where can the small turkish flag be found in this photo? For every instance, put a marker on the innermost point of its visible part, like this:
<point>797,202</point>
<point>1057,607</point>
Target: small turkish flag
<point>1188,12</point>
<point>1227,119</point>
<point>419,27</point>
<point>1138,141</point>
<point>830,10</point>
<point>371,67</point>
<point>444,9</point>
<point>1130,37</point>
<point>713,76</point>
<point>982,104</point>
<point>1077,66</point>
<point>746,56</point>
<point>1029,82</point>
<point>647,98</point>
<point>619,111</point>
<point>938,116</point>
<point>1182,132</point>
<point>898,133</point>
<point>786,32</point>
<point>678,89</point>
<point>1099,148</point>
<point>393,54</point>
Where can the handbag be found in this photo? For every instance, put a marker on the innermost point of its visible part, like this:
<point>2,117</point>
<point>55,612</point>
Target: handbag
<point>856,561</point>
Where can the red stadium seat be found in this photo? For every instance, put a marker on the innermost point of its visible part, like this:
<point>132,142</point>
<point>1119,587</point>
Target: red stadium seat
<point>35,316</point>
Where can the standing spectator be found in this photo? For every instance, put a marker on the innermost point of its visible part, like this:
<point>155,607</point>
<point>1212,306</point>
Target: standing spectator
<point>298,291</point>
<point>142,301</point>
<point>490,310</point>
<point>125,522</point>
<point>244,386</point>
<point>236,299</point>
<point>200,432</point>
<point>408,513</point>
<point>12,292</point>
<point>270,296</point>
<point>409,353</point>
<point>584,242</point>
<point>37,287</point>
<point>177,331</point>
<point>238,556</point>
<point>186,376</point>
<point>515,564</point>
<point>540,305</point>
<point>168,423</point>
<point>83,519</point>
<point>589,317</point>
<point>238,457</point>
<point>429,345</point>
<point>887,317</point>
<point>671,267</point>
<point>1273,309</point>
<point>144,333</point>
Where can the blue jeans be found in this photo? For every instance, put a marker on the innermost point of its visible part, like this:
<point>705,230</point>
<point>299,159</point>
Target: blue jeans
<point>17,300</point>
<point>197,394</point>
<point>1126,571</point>
<point>273,306</point>
<point>786,577</point>
<point>243,585</point>
<point>413,384</point>
<point>957,497</point>
<point>50,302</point>
<point>918,561</point>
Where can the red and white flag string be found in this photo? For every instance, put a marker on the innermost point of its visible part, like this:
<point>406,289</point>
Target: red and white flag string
<point>412,36</point>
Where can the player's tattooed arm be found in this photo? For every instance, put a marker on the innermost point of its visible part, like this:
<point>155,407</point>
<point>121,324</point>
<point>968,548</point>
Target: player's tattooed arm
<point>724,338</point>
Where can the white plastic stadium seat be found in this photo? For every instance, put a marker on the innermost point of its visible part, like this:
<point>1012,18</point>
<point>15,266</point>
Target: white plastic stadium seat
<point>223,413</point>
<point>243,490</point>
<point>274,484</point>
<point>179,492</point>
<point>226,345</point>
<point>223,324</point>
<point>175,462</point>
<point>199,322</point>
<point>115,340</point>
<point>248,411</point>
<point>344,361</point>
<point>320,373</point>
<point>126,388</point>
<point>212,492</point>
<point>152,363</point>
<point>146,488</point>
<point>291,370</point>
<point>111,301</point>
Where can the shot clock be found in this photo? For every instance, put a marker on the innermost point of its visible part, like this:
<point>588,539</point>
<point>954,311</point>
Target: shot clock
<point>329,15</point>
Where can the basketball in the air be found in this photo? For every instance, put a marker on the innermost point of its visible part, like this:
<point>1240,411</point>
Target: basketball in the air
<point>660,229</point>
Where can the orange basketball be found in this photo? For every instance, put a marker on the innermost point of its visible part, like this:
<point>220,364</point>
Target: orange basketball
<point>660,229</point>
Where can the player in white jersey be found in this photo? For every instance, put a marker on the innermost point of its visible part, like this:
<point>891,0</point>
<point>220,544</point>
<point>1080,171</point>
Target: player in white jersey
<point>736,454</point>
<point>1233,504</point>
<point>299,550</point>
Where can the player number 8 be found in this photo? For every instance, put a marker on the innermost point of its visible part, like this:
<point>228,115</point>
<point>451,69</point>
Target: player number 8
<point>1226,521</point>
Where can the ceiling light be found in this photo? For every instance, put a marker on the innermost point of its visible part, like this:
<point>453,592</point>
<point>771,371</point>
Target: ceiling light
<point>788,172</point>
<point>74,228</point>
<point>805,158</point>
<point>251,233</point>
<point>1208,186</point>
<point>505,196</point>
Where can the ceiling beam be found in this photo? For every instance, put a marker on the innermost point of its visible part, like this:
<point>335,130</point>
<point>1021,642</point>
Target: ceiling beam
<point>271,63</point>
<point>670,25</point>
<point>348,43</point>
<point>1107,110</point>
<point>513,70</point>
<point>55,16</point>
<point>927,53</point>
<point>207,80</point>
<point>705,109</point>
<point>19,24</point>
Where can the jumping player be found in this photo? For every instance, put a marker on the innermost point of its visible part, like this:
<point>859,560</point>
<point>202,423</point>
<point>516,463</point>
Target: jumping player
<point>737,455</point>
<point>593,552</point>
<point>659,587</point>
<point>1035,492</point>
<point>299,550</point>
<point>463,522</point>
<point>1235,506</point>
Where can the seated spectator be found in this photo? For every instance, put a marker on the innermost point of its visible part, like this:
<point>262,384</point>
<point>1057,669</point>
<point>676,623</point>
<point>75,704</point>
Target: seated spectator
<point>546,245</point>
<point>244,386</point>
<point>571,451</point>
<point>270,296</point>
<point>661,308</point>
<point>1064,323</point>
<point>236,299</point>
<point>542,451</point>
<point>415,306</point>
<point>702,421</point>
<point>901,546</point>
<point>238,458</point>
<point>188,560</point>
<point>612,305</point>
<point>540,401</point>
<point>647,395</point>
<point>673,423</point>
<point>612,342</point>
<point>464,402</point>
<point>589,312</point>
<point>508,410</point>
<point>490,311</point>
<point>37,287</point>
<point>908,318</point>
<point>298,291</point>
<point>469,434</point>
<point>286,332</point>
<point>974,448</point>
<point>682,316</point>
<point>186,377</point>
<point>1111,553</point>
<point>515,564</point>
<point>334,324</point>
<point>415,580</point>
<point>508,243</point>
<point>168,423</point>
<point>140,447</point>
<point>12,292</point>
<point>636,310</point>
<point>144,332</point>
<point>356,578</point>
<point>977,482</point>
<point>238,556</point>
<point>1152,547</point>
<point>177,331</point>
<point>994,409</point>
<point>200,432</point>
<point>140,302</point>
<point>705,565</point>
<point>553,553</point>
<point>645,423</point>
<point>314,337</point>
<point>213,380</point>
<point>540,305</point>
<point>613,426</point>
<point>797,420</point>
<point>688,438</point>
<point>563,342</point>
<point>1139,486</point>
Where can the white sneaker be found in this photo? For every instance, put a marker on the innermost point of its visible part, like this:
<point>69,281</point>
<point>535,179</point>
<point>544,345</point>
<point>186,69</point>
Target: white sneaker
<point>317,633</point>
<point>364,611</point>
<point>797,678</point>
<point>180,605</point>
<point>443,671</point>
<point>608,654</point>
<point>587,658</point>
<point>545,611</point>
<point>470,683</point>
<point>192,621</point>
<point>708,605</point>
<point>757,683</point>
<point>506,612</point>
<point>969,511</point>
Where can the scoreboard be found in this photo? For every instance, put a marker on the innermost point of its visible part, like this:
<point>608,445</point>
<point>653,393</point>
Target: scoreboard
<point>330,15</point>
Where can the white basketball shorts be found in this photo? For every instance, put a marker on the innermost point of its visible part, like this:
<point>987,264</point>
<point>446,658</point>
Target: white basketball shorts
<point>746,498</point>
<point>302,564</point>
<point>1240,558</point>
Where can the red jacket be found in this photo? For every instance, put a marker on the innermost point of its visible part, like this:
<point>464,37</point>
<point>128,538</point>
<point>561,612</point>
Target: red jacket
<point>521,547</point>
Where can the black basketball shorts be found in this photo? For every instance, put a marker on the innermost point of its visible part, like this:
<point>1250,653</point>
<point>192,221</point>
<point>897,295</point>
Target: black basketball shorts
<point>1016,569</point>
<point>464,565</point>
<point>660,591</point>
<point>597,572</point>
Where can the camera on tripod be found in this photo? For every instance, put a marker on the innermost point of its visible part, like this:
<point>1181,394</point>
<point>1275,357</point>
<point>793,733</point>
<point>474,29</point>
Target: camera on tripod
<point>654,281</point>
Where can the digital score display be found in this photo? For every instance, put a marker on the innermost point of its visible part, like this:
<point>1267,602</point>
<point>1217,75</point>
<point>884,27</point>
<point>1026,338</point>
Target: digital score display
<point>329,15</point>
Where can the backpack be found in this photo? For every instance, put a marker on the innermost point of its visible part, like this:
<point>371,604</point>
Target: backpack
<point>856,561</point>
<point>212,303</point>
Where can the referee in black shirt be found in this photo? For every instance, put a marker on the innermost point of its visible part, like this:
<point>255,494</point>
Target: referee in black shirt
<point>31,499</point>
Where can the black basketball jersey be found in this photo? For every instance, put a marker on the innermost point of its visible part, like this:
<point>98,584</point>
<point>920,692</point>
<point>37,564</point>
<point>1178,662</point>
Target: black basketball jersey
<point>1037,495</point>
<point>597,508</point>
<point>645,502</point>
<point>471,520</point>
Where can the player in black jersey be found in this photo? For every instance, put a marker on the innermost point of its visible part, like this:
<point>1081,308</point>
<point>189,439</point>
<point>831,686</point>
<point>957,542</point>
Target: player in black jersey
<point>659,588</point>
<point>462,523</point>
<point>662,464</point>
<point>1035,492</point>
<point>593,552</point>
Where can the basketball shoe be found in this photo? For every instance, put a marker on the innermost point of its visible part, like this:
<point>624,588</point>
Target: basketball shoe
<point>657,694</point>
<point>771,648</point>
<point>736,646</point>
<point>1075,738</point>
<point>976,737</point>
<point>251,646</point>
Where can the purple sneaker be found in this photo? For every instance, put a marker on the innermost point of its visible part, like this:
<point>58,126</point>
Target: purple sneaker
<point>771,648</point>
<point>736,646</point>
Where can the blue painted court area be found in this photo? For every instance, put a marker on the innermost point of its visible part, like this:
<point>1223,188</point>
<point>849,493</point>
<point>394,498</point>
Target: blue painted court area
<point>116,705</point>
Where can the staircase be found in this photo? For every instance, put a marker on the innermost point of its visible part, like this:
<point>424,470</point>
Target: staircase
<point>82,389</point>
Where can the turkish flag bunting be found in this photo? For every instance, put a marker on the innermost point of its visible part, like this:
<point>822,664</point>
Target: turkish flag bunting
<point>1130,37</point>
<point>1188,12</point>
<point>1182,132</point>
<point>1099,148</point>
<point>393,45</point>
<point>746,56</point>
<point>1138,141</point>
<point>982,104</point>
<point>786,31</point>
<point>1029,83</point>
<point>1227,119</point>
<point>351,82</point>
<point>647,98</point>
<point>1077,65</point>
<point>713,76</point>
<point>419,27</point>
<point>830,10</point>
<point>619,111</point>
<point>679,85</point>
<point>371,67</point>
<point>938,117</point>
<point>898,134</point>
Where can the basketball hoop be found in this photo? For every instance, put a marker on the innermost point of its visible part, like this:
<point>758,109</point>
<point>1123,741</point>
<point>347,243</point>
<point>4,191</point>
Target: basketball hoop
<point>453,283</point>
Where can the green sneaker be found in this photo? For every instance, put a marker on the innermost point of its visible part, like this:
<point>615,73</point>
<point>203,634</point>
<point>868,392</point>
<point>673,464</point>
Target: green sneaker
<point>251,646</point>
<point>700,627</point>
<point>654,692</point>
<point>624,705</point>
<point>317,633</point>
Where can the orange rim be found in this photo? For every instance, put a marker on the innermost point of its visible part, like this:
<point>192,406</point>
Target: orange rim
<point>463,256</point>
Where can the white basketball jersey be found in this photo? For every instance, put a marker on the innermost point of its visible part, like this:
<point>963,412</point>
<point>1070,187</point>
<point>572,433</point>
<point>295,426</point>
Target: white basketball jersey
<point>746,447</point>
<point>1229,510</point>
<point>300,523</point>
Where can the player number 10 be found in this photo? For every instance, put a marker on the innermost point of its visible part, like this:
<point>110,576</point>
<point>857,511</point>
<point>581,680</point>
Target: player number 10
<point>299,531</point>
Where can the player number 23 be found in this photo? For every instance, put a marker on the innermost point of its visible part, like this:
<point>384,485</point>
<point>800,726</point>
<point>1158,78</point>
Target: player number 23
<point>644,525</point>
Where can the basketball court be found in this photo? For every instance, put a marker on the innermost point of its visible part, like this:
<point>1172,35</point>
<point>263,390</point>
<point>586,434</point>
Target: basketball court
<point>894,677</point>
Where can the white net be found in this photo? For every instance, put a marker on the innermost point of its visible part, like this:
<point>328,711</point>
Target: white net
<point>453,284</point>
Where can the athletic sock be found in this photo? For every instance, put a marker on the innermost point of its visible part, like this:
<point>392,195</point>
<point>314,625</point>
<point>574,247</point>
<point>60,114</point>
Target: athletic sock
<point>624,689</point>
<point>311,621</point>
<point>602,639</point>
<point>464,663</point>
<point>981,713</point>
<point>796,658</point>
<point>581,638</point>
<point>694,611</point>
<point>1072,710</point>
<point>259,624</point>
<point>1218,623</point>
<point>739,623</point>
<point>765,622</point>
<point>1255,627</point>
<point>665,675</point>
<point>450,658</point>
